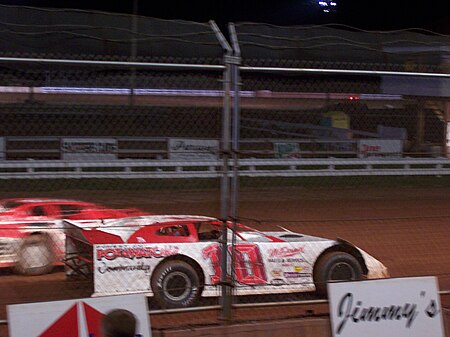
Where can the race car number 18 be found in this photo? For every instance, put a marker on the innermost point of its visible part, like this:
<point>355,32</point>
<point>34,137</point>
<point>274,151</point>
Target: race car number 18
<point>248,264</point>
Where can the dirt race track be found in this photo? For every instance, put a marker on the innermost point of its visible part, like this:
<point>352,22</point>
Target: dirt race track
<point>405,228</point>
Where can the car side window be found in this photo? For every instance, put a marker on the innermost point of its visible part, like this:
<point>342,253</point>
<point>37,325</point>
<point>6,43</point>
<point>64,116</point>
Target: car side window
<point>173,230</point>
<point>68,210</point>
<point>38,211</point>
<point>208,232</point>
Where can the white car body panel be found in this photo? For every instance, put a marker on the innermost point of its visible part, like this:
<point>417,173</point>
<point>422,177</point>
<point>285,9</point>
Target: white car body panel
<point>287,266</point>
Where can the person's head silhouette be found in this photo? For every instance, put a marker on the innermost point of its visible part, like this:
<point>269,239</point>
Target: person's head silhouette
<point>118,323</point>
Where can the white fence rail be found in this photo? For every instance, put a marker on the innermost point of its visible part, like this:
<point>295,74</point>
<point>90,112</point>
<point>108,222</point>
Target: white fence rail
<point>125,169</point>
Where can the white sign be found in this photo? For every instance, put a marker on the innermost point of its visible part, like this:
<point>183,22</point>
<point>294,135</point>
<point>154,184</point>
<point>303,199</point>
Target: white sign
<point>2,148</point>
<point>188,149</point>
<point>379,148</point>
<point>399,307</point>
<point>74,318</point>
<point>89,149</point>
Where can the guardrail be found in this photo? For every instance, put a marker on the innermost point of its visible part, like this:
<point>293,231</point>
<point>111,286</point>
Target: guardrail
<point>125,169</point>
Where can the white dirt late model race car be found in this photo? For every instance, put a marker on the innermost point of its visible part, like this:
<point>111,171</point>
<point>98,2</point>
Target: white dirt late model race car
<point>177,258</point>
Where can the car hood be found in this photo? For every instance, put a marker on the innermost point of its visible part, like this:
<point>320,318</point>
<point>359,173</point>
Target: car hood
<point>282,235</point>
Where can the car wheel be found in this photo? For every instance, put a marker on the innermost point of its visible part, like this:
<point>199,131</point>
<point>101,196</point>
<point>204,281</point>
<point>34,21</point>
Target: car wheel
<point>176,284</point>
<point>35,256</point>
<point>336,266</point>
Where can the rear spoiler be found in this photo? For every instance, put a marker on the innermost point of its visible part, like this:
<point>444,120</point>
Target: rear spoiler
<point>86,231</point>
<point>76,231</point>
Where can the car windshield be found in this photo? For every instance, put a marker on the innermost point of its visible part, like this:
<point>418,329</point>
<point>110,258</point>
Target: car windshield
<point>8,205</point>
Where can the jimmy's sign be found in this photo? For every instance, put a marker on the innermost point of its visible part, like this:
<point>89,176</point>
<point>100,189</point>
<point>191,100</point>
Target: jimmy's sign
<point>401,307</point>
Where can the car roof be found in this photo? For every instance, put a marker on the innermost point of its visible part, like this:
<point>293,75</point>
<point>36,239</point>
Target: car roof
<point>140,221</point>
<point>125,227</point>
<point>40,200</point>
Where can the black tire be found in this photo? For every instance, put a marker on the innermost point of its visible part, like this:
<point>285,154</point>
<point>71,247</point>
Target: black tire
<point>35,256</point>
<point>176,284</point>
<point>336,266</point>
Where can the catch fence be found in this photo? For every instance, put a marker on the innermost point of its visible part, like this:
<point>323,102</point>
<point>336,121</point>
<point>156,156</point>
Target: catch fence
<point>275,131</point>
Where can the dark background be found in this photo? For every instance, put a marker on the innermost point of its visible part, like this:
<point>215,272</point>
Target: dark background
<point>363,14</point>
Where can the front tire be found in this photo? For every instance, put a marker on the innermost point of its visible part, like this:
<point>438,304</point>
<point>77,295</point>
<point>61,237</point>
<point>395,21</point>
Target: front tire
<point>336,266</point>
<point>176,284</point>
<point>35,256</point>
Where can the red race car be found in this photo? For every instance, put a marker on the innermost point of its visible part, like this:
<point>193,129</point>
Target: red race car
<point>31,235</point>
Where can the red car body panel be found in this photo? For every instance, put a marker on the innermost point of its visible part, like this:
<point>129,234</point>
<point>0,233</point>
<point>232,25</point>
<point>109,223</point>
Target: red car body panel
<point>21,217</point>
<point>154,229</point>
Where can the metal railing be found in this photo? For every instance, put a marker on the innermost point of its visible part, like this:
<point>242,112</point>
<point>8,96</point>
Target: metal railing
<point>124,169</point>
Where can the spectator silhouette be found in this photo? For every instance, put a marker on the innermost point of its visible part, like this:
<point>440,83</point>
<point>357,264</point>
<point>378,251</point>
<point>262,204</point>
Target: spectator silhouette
<point>118,323</point>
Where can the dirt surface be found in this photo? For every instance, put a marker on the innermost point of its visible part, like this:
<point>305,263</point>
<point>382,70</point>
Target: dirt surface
<point>405,228</point>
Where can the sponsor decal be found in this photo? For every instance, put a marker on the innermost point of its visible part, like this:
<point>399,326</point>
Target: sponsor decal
<point>277,282</point>
<point>293,274</point>
<point>277,272</point>
<point>288,262</point>
<point>302,269</point>
<point>285,252</point>
<point>295,260</point>
<point>136,252</point>
<point>104,268</point>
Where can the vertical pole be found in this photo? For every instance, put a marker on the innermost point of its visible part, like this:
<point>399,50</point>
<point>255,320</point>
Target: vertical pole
<point>224,185</point>
<point>235,81</point>
<point>447,129</point>
<point>225,281</point>
<point>420,125</point>
<point>133,53</point>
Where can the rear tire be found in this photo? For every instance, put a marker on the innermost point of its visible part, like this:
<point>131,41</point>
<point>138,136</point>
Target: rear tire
<point>35,256</point>
<point>176,284</point>
<point>336,266</point>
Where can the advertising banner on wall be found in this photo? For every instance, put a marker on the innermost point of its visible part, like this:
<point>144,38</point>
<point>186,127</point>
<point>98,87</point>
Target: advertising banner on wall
<point>286,150</point>
<point>86,149</point>
<point>192,149</point>
<point>74,318</point>
<point>392,148</point>
<point>398,307</point>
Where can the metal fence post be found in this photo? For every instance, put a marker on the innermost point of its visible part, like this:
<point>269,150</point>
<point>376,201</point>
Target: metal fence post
<point>133,53</point>
<point>226,285</point>
<point>235,82</point>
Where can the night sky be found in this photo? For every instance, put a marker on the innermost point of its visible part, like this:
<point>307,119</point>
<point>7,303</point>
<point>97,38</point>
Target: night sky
<point>363,14</point>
